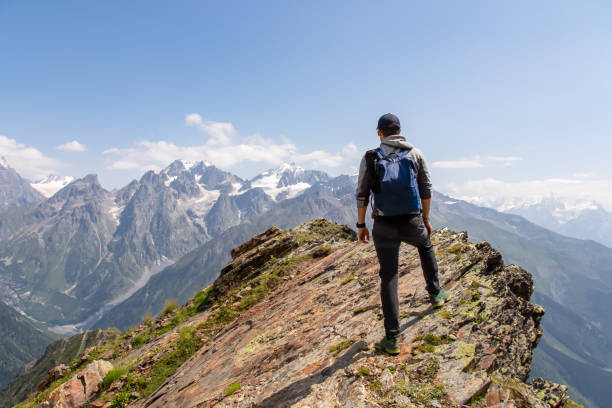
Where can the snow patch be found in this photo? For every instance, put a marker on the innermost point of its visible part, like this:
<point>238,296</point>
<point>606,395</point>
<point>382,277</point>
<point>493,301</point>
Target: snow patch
<point>115,212</point>
<point>169,181</point>
<point>51,184</point>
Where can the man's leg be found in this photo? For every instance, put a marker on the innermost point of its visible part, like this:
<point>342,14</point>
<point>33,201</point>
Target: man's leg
<point>414,232</point>
<point>387,249</point>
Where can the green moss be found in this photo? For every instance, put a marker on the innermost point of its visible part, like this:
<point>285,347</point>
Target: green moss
<point>454,249</point>
<point>347,280</point>
<point>480,318</point>
<point>364,371</point>
<point>465,350</point>
<point>360,310</point>
<point>343,345</point>
<point>425,348</point>
<point>232,388</point>
<point>422,392</point>
<point>376,386</point>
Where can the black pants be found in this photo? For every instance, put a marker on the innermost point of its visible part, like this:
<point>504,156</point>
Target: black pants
<point>388,233</point>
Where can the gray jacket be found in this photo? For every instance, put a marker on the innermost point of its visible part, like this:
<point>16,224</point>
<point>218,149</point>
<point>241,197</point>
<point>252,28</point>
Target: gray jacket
<point>391,144</point>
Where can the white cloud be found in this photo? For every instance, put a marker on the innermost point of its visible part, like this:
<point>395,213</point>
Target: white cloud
<point>476,162</point>
<point>28,161</point>
<point>459,164</point>
<point>225,149</point>
<point>504,195</point>
<point>73,146</point>
<point>219,132</point>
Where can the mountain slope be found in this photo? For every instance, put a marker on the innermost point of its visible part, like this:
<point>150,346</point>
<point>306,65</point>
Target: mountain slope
<point>588,220</point>
<point>14,190</point>
<point>291,322</point>
<point>572,279</point>
<point>201,266</point>
<point>61,352</point>
<point>84,249</point>
<point>20,343</point>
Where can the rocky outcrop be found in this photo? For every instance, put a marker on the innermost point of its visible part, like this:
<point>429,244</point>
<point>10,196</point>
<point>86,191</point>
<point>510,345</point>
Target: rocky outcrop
<point>60,358</point>
<point>292,320</point>
<point>81,388</point>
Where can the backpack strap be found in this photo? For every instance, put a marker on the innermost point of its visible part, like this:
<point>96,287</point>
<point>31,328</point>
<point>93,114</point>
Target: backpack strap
<point>399,155</point>
<point>372,157</point>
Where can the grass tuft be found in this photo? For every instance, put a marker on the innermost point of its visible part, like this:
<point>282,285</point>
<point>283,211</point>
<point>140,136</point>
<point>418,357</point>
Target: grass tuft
<point>169,307</point>
<point>232,389</point>
<point>343,345</point>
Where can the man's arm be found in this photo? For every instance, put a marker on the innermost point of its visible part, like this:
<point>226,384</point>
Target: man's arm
<point>426,203</point>
<point>364,234</point>
<point>362,195</point>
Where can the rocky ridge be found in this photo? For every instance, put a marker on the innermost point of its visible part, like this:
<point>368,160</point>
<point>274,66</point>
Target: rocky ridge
<point>291,321</point>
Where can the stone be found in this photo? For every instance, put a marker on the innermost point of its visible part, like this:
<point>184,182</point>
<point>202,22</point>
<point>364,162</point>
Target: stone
<point>54,374</point>
<point>496,395</point>
<point>81,388</point>
<point>386,380</point>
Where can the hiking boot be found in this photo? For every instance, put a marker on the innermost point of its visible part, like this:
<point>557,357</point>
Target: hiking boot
<point>388,345</point>
<point>439,299</point>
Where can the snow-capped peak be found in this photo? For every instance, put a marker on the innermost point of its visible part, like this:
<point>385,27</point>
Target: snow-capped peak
<point>286,181</point>
<point>4,162</point>
<point>51,184</point>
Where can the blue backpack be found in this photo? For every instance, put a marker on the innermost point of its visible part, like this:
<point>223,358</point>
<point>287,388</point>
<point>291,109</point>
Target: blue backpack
<point>394,185</point>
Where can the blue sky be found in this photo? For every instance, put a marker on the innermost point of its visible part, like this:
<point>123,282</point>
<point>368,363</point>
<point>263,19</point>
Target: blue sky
<point>514,93</point>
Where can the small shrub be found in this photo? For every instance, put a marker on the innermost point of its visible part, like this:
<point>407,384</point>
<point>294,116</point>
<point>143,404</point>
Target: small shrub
<point>121,400</point>
<point>232,389</point>
<point>480,318</point>
<point>200,299</point>
<point>169,307</point>
<point>445,314</point>
<point>138,341</point>
<point>147,319</point>
<point>112,376</point>
<point>432,368</point>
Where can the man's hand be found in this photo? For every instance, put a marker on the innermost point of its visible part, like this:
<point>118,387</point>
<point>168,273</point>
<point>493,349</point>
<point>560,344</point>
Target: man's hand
<point>364,235</point>
<point>428,226</point>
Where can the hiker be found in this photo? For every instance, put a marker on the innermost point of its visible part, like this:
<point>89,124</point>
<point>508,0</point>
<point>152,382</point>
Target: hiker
<point>396,176</point>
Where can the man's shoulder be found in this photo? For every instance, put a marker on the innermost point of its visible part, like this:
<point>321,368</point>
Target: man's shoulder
<point>416,152</point>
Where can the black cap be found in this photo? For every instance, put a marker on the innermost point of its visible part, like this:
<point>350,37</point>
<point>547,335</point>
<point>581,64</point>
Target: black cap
<point>388,120</point>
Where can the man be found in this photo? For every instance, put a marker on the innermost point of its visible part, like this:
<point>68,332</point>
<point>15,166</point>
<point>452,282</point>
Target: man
<point>400,215</point>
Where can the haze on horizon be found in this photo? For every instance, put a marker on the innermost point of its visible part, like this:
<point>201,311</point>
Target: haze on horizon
<point>505,99</point>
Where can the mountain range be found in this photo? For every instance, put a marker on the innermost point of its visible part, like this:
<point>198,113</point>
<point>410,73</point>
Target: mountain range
<point>87,257</point>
